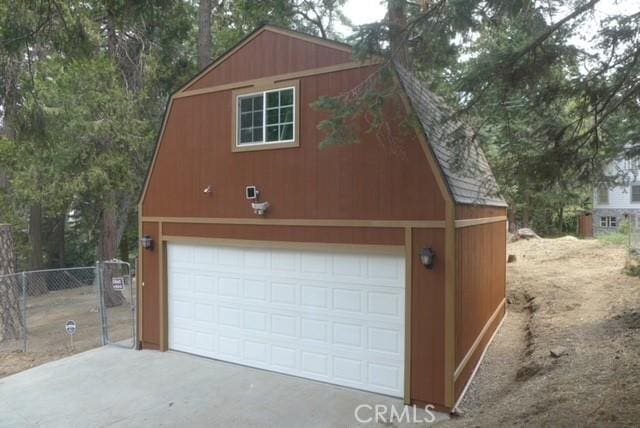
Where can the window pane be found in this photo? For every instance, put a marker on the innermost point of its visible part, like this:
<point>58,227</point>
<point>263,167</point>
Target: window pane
<point>257,135</point>
<point>257,102</point>
<point>613,222</point>
<point>286,97</point>
<point>272,116</point>
<point>245,120</point>
<point>245,104</point>
<point>272,99</point>
<point>272,133</point>
<point>635,193</point>
<point>603,195</point>
<point>257,119</point>
<point>286,132</point>
<point>245,136</point>
<point>286,115</point>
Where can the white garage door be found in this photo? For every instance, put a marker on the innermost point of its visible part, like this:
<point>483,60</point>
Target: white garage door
<point>337,318</point>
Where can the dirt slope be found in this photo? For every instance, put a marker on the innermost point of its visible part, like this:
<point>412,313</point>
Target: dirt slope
<point>572,294</point>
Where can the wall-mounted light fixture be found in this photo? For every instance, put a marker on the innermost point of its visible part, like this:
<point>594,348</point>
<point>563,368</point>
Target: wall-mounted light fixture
<point>427,257</point>
<point>208,190</point>
<point>147,242</point>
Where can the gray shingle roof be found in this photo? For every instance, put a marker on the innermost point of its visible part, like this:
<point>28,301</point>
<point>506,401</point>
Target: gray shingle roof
<point>461,159</point>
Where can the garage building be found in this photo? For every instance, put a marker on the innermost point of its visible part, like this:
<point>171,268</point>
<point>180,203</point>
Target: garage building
<point>374,266</point>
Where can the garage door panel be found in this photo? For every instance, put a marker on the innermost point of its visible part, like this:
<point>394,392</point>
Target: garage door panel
<point>332,317</point>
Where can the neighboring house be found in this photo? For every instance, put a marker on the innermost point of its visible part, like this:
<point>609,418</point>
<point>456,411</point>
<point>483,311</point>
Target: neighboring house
<point>614,205</point>
<point>262,249</point>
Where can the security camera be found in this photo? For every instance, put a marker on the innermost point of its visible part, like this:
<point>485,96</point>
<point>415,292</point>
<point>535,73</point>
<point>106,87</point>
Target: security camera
<point>260,207</point>
<point>251,192</point>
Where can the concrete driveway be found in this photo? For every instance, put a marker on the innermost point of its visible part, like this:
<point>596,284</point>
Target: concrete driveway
<point>112,386</point>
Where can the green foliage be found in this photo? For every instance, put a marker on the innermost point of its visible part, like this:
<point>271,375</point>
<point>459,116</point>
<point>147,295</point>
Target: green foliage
<point>549,115</point>
<point>83,89</point>
<point>348,112</point>
<point>615,238</point>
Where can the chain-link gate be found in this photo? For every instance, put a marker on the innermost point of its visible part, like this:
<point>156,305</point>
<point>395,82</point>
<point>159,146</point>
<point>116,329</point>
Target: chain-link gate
<point>117,294</point>
<point>98,301</point>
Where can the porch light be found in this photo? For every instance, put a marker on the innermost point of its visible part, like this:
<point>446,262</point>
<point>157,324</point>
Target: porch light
<point>147,242</point>
<point>426,257</point>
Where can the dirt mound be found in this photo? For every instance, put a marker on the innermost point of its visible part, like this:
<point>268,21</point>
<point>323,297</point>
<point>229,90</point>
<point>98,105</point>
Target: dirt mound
<point>570,295</point>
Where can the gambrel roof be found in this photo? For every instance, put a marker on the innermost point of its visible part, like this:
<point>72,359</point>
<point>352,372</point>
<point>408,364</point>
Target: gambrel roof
<point>462,161</point>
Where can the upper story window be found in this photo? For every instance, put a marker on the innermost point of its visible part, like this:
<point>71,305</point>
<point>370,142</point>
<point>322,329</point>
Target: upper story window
<point>602,196</point>
<point>266,119</point>
<point>635,193</point>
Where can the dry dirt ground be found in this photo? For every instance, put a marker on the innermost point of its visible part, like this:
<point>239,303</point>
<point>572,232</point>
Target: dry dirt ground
<point>47,339</point>
<point>562,293</point>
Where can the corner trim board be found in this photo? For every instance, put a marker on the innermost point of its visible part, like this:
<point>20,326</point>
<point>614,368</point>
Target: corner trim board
<point>408,249</point>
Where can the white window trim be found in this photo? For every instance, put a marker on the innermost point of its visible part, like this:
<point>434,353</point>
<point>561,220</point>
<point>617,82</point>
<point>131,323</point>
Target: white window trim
<point>264,117</point>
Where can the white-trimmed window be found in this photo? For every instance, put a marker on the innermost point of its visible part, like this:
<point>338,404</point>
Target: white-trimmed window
<point>602,195</point>
<point>608,221</point>
<point>266,118</point>
<point>635,193</point>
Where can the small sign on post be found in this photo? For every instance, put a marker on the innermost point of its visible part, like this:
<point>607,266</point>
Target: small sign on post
<point>117,283</point>
<point>70,327</point>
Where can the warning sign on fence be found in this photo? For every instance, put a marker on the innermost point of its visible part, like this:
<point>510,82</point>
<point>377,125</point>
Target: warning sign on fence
<point>117,283</point>
<point>70,327</point>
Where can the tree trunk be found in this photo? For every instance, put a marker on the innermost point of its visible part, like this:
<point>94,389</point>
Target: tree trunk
<point>124,250</point>
<point>561,219</point>
<point>108,250</point>
<point>525,210</point>
<point>10,290</point>
<point>397,12</point>
<point>37,284</point>
<point>204,33</point>
<point>57,250</point>
<point>511,218</point>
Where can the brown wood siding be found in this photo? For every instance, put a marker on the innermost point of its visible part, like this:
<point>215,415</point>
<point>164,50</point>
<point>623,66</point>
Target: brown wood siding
<point>150,289</point>
<point>334,235</point>
<point>480,287</point>
<point>465,375</point>
<point>256,60</point>
<point>427,319</point>
<point>477,211</point>
<point>363,181</point>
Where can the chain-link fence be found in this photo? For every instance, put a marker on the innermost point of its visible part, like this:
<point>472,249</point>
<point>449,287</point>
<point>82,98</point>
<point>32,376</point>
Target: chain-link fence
<point>40,309</point>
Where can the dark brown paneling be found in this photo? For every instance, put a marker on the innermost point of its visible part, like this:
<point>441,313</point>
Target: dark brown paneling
<point>150,289</point>
<point>481,279</point>
<point>371,180</point>
<point>335,235</point>
<point>270,54</point>
<point>476,211</point>
<point>427,320</point>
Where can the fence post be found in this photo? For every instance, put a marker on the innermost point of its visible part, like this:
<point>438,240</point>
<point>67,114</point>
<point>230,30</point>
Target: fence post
<point>24,311</point>
<point>103,320</point>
